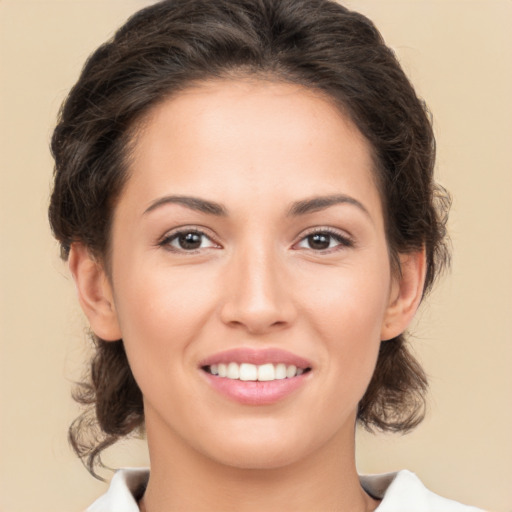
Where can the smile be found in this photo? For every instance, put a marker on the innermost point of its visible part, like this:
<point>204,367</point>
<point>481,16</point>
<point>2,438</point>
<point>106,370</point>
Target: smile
<point>252,372</point>
<point>256,376</point>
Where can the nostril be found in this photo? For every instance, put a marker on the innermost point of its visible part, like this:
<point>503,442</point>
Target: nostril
<point>257,301</point>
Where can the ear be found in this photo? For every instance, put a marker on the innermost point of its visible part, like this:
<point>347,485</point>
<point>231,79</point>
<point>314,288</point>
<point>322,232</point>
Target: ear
<point>405,296</point>
<point>94,293</point>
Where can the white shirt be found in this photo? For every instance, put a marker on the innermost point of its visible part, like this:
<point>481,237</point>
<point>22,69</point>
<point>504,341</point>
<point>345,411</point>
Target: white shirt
<point>399,492</point>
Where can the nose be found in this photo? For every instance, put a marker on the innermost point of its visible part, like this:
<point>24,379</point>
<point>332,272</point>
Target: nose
<point>256,295</point>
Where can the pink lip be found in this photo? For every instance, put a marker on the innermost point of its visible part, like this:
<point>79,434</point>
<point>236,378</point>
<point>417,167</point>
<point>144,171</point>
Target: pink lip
<point>255,392</point>
<point>256,356</point>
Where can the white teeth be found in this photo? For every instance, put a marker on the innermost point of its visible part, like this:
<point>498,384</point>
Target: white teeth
<point>266,372</point>
<point>233,372</point>
<point>252,372</point>
<point>291,371</point>
<point>248,371</point>
<point>280,371</point>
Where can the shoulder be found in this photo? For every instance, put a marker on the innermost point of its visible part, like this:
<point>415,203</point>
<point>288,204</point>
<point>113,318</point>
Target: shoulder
<point>126,487</point>
<point>404,492</point>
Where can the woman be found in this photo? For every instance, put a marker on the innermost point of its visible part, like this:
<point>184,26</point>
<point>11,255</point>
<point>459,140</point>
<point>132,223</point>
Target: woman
<point>244,193</point>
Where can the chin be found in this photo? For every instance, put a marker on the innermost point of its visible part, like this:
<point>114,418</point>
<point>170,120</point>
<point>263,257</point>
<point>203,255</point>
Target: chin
<point>257,457</point>
<point>260,449</point>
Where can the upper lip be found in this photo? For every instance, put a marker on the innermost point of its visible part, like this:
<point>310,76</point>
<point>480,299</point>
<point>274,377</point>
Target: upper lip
<point>256,356</point>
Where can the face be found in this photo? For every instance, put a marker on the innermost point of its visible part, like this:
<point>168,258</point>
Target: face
<point>250,277</point>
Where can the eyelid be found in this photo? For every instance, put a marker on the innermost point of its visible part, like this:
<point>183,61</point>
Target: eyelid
<point>345,239</point>
<point>164,241</point>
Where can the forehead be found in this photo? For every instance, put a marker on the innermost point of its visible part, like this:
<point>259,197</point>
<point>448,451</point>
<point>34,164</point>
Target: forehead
<point>230,137</point>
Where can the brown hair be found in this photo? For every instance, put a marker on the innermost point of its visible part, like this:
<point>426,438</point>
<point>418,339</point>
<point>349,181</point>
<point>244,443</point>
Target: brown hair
<point>166,47</point>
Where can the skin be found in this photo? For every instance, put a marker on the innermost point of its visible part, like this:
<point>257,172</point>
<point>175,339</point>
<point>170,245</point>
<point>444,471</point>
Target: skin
<point>258,150</point>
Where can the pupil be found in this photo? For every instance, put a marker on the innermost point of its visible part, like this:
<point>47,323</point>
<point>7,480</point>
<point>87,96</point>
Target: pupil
<point>190,241</point>
<point>319,241</point>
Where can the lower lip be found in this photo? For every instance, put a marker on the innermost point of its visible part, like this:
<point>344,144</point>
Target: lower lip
<point>256,392</point>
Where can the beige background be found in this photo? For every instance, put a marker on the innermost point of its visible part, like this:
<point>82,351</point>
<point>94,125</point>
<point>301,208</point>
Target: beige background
<point>459,54</point>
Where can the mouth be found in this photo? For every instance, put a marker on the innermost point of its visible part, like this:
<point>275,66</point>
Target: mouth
<point>256,376</point>
<point>257,373</point>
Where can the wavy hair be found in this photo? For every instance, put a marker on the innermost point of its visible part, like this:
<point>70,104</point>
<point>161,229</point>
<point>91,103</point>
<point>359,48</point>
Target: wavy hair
<point>169,46</point>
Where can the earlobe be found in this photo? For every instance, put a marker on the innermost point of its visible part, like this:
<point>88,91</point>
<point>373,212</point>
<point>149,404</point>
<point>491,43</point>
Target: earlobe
<point>94,293</point>
<point>406,294</point>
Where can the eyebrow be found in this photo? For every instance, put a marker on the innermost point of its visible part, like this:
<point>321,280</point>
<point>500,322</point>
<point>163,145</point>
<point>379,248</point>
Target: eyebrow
<point>193,203</point>
<point>316,204</point>
<point>298,208</point>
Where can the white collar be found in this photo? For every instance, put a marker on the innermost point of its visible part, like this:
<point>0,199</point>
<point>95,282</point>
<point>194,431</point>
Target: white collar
<point>404,492</point>
<point>399,492</point>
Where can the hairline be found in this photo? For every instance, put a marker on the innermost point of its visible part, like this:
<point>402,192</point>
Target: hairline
<point>246,74</point>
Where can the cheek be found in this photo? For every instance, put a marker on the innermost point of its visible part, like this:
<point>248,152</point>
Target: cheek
<point>160,312</point>
<point>348,310</point>
<point>350,301</point>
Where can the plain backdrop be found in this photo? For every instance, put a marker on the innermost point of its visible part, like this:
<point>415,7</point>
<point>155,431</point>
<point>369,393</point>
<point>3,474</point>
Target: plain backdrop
<point>458,53</point>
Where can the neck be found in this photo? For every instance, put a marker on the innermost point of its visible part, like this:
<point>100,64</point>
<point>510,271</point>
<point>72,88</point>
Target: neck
<point>184,479</point>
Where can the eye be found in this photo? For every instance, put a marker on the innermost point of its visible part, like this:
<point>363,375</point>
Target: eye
<point>324,240</point>
<point>189,240</point>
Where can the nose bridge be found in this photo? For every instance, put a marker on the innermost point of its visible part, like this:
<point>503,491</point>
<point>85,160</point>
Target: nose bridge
<point>256,295</point>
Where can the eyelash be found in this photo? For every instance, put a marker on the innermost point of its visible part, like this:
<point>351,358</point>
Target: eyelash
<point>343,241</point>
<point>174,236</point>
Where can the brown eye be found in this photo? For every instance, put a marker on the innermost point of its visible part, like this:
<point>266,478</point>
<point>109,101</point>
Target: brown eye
<point>319,241</point>
<point>188,241</point>
<point>324,241</point>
